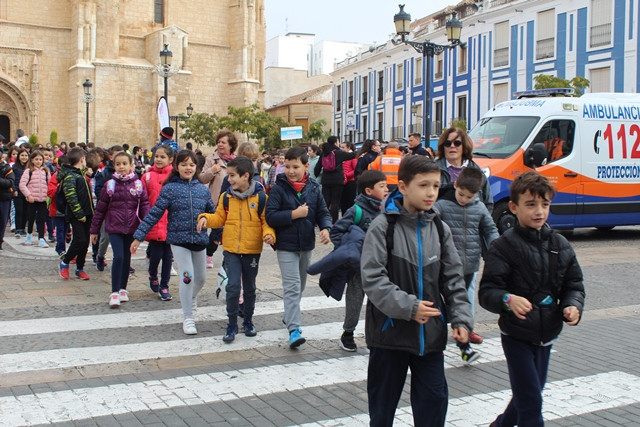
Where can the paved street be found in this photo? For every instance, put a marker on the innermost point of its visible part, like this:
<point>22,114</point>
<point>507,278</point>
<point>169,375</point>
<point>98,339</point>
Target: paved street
<point>67,359</point>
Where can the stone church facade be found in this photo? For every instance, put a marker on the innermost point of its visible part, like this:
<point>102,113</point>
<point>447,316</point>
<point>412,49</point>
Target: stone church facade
<point>49,48</point>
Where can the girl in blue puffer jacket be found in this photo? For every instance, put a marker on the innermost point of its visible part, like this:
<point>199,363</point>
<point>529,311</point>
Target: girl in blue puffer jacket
<point>122,205</point>
<point>184,197</point>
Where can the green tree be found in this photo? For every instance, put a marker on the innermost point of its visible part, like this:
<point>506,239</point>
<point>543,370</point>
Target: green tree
<point>201,128</point>
<point>33,140</point>
<point>578,84</point>
<point>316,131</point>
<point>53,138</point>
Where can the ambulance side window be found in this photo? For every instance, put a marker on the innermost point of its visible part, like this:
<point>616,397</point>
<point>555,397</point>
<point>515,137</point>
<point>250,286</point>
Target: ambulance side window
<point>558,137</point>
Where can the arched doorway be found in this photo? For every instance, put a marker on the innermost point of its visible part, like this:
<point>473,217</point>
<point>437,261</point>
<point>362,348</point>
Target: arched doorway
<point>5,127</point>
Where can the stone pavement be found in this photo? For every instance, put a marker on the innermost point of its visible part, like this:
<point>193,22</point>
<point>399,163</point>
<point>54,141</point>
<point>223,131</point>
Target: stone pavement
<point>67,359</point>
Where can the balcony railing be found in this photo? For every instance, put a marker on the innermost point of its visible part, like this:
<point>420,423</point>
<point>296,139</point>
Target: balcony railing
<point>495,3</point>
<point>436,127</point>
<point>437,75</point>
<point>418,81</point>
<point>501,57</point>
<point>397,132</point>
<point>377,134</point>
<point>545,48</point>
<point>601,35</point>
<point>416,127</point>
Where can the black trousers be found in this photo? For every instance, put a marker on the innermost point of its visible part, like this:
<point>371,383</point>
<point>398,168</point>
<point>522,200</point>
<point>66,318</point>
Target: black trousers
<point>36,212</point>
<point>332,194</point>
<point>79,244</point>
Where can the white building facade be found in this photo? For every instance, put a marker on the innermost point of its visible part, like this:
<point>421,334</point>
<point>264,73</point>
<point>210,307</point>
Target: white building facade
<point>507,43</point>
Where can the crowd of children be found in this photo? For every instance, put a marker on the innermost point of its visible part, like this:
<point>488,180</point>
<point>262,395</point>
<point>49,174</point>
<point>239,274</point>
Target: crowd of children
<point>417,252</point>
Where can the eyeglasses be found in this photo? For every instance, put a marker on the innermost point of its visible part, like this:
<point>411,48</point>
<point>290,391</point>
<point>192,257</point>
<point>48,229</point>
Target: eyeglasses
<point>457,143</point>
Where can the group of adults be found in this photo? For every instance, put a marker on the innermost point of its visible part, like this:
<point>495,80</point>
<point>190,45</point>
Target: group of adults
<point>454,152</point>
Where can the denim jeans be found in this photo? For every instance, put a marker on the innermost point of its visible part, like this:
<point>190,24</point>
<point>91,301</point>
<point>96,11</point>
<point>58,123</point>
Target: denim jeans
<point>241,269</point>
<point>160,251</point>
<point>120,245</point>
<point>62,227</point>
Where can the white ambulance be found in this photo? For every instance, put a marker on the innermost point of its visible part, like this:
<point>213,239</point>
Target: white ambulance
<point>588,147</point>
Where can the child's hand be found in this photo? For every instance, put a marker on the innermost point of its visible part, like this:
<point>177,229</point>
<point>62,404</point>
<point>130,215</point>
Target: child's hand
<point>83,219</point>
<point>94,238</point>
<point>202,223</point>
<point>571,315</point>
<point>30,199</point>
<point>324,237</point>
<point>268,239</point>
<point>461,334</point>
<point>300,212</point>
<point>425,311</point>
<point>520,306</point>
<point>134,246</point>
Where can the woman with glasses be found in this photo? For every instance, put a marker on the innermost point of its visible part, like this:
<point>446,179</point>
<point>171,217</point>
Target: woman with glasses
<point>455,152</point>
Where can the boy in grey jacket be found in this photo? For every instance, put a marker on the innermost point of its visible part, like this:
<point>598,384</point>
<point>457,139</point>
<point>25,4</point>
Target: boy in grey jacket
<point>472,228</point>
<point>413,278</point>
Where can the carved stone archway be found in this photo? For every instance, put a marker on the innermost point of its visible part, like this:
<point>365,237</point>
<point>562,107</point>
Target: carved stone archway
<point>14,105</point>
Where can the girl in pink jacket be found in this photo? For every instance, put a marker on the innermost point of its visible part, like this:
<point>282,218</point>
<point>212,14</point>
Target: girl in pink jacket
<point>33,185</point>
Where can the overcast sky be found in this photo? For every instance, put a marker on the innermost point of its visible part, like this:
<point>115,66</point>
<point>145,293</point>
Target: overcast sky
<point>362,21</point>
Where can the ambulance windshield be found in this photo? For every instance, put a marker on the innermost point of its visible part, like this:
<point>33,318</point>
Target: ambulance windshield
<point>500,137</point>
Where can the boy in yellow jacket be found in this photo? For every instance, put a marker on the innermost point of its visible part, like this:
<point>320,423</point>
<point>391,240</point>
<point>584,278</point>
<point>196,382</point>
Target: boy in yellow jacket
<point>241,212</point>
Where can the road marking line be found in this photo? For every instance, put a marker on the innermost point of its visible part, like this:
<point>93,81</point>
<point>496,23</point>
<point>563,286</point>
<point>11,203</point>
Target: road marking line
<point>145,318</point>
<point>564,398</point>
<point>491,350</point>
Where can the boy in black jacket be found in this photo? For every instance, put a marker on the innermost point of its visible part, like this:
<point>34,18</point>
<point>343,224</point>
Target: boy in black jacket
<point>533,280</point>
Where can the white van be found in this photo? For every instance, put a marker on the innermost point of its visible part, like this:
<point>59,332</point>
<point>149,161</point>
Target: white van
<point>588,147</point>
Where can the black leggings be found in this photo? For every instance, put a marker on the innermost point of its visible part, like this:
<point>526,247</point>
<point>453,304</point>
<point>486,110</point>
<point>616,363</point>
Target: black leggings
<point>36,212</point>
<point>332,194</point>
<point>21,214</point>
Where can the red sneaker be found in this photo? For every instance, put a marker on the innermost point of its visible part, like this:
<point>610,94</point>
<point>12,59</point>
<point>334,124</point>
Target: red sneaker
<point>73,261</point>
<point>475,338</point>
<point>80,274</point>
<point>64,271</point>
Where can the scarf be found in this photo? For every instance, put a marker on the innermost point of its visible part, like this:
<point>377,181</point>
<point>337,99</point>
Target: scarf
<point>298,185</point>
<point>245,194</point>
<point>127,177</point>
<point>227,157</point>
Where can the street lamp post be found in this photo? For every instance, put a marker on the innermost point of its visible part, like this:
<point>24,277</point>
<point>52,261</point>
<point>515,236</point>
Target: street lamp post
<point>165,70</point>
<point>181,118</point>
<point>88,98</point>
<point>402,21</point>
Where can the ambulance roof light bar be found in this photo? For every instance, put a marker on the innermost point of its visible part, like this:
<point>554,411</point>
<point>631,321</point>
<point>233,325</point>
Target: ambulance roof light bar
<point>555,91</point>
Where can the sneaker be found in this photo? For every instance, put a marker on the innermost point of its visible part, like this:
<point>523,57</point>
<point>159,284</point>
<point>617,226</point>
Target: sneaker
<point>469,356</point>
<point>61,255</point>
<point>27,240</point>
<point>347,343</point>
<point>94,258</point>
<point>124,295</point>
<point>73,260</point>
<point>18,235</point>
<point>173,271</point>
<point>80,274</point>
<point>474,338</point>
<point>100,264</point>
<point>189,326</point>
<point>42,243</point>
<point>131,270</point>
<point>249,329</point>
<point>64,270</point>
<point>153,284</point>
<point>114,300</point>
<point>52,239</point>
<point>295,338</point>
<point>209,262</point>
<point>232,330</point>
<point>165,295</point>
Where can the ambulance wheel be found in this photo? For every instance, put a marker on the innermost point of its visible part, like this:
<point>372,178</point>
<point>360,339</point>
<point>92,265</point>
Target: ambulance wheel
<point>503,217</point>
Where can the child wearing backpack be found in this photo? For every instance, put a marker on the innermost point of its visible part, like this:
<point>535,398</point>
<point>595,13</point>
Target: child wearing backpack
<point>121,205</point>
<point>412,276</point>
<point>245,228</point>
<point>159,249</point>
<point>330,165</point>
<point>294,208</point>
<point>33,185</point>
<point>57,207</point>
<point>372,190</point>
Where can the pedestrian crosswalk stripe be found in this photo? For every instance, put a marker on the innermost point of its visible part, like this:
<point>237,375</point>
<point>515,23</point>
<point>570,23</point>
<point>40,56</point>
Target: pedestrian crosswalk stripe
<point>564,398</point>
<point>85,356</point>
<point>145,318</point>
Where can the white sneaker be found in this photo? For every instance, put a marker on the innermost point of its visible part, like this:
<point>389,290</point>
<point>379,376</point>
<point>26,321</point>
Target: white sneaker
<point>27,240</point>
<point>173,271</point>
<point>114,300</point>
<point>209,262</point>
<point>189,326</point>
<point>42,243</point>
<point>124,295</point>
